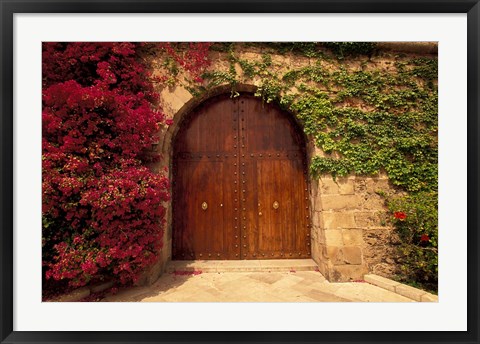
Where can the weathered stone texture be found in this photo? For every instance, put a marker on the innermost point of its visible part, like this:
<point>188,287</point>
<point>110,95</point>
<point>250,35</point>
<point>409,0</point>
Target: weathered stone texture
<point>338,220</point>
<point>351,213</point>
<point>352,255</point>
<point>345,255</point>
<point>382,282</point>
<point>341,186</point>
<point>334,237</point>
<point>410,292</point>
<point>429,298</point>
<point>352,237</point>
<point>380,251</point>
<point>341,202</point>
<point>346,273</point>
<point>74,296</point>
<point>366,219</point>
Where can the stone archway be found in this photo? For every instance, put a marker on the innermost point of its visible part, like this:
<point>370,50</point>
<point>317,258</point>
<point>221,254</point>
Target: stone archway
<point>340,210</point>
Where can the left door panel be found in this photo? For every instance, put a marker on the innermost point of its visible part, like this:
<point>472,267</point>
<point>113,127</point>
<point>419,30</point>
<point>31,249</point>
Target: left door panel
<point>205,201</point>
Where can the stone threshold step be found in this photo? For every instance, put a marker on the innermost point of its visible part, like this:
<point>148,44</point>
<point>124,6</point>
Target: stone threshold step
<point>272,265</point>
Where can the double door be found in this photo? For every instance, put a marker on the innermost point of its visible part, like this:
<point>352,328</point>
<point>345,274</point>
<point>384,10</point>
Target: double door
<point>239,183</point>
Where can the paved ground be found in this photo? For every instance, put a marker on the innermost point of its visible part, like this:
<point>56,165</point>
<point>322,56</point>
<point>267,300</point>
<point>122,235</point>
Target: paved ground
<point>253,286</point>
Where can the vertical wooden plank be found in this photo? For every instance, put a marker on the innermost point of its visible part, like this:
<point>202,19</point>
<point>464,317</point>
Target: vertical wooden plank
<point>264,220</point>
<point>250,226</point>
<point>230,204</point>
<point>287,206</point>
<point>297,192</point>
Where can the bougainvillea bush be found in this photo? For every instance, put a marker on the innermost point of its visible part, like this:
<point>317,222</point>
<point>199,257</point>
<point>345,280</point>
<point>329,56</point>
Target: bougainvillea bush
<point>103,210</point>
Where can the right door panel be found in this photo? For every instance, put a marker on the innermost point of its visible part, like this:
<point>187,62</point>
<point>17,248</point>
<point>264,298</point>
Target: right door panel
<point>276,216</point>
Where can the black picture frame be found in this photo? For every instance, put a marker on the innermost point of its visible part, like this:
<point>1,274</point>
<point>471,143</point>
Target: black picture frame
<point>10,7</point>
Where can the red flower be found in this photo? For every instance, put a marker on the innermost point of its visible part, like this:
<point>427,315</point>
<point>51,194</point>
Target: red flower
<point>424,238</point>
<point>400,215</point>
<point>98,119</point>
<point>169,121</point>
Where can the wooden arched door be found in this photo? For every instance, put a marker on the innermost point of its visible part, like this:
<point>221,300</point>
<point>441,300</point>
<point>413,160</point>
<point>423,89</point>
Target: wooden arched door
<point>239,183</point>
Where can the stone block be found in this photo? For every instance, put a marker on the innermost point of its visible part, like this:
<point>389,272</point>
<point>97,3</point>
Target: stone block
<point>281,60</point>
<point>352,237</point>
<point>101,287</point>
<point>381,282</point>
<point>166,95</point>
<point>317,203</point>
<point>333,237</point>
<point>314,189</point>
<point>340,186</point>
<point>344,255</point>
<point>334,254</point>
<point>373,202</point>
<point>318,236</point>
<point>176,104</point>
<point>74,296</point>
<point>317,219</point>
<point>337,220</point>
<point>410,292</point>
<point>322,267</point>
<point>352,255</point>
<point>376,184</point>
<point>182,94</point>
<point>383,268</point>
<point>338,202</point>
<point>300,61</point>
<point>366,219</point>
<point>429,298</point>
<point>360,186</point>
<point>252,57</point>
<point>346,273</point>
<point>315,251</point>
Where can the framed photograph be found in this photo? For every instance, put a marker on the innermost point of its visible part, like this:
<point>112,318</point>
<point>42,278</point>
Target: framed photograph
<point>239,70</point>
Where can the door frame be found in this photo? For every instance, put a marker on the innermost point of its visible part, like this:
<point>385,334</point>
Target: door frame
<point>302,145</point>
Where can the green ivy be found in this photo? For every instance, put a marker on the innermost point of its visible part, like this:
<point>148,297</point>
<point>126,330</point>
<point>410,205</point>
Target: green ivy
<point>343,49</point>
<point>396,134</point>
<point>365,120</point>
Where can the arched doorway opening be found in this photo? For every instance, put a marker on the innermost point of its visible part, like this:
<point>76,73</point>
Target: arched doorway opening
<point>240,188</point>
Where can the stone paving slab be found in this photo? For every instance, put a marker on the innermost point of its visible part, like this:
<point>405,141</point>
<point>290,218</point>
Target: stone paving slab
<point>256,286</point>
<point>401,289</point>
<point>268,265</point>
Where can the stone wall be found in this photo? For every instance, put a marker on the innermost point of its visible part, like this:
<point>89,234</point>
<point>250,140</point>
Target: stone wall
<point>350,235</point>
<point>349,232</point>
